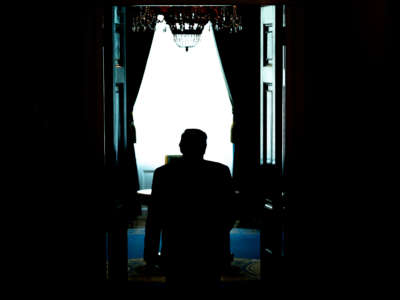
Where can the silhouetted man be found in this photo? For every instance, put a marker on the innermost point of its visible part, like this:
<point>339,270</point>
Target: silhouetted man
<point>191,205</point>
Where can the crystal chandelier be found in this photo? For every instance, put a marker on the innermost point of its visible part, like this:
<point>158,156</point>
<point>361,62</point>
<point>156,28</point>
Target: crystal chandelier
<point>187,22</point>
<point>184,40</point>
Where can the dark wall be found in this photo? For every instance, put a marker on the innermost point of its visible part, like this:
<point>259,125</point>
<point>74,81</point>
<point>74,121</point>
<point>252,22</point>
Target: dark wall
<point>60,186</point>
<point>349,87</point>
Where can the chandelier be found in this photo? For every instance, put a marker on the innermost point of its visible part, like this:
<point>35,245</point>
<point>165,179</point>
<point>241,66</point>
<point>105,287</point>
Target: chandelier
<point>187,22</point>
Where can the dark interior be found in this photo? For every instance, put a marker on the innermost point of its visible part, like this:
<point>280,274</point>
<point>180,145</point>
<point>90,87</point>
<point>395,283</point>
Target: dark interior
<point>342,55</point>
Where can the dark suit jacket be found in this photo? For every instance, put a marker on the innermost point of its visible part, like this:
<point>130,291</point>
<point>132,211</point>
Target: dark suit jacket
<point>192,206</point>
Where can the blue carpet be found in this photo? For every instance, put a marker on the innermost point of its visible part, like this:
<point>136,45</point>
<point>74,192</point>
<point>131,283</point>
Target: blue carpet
<point>245,243</point>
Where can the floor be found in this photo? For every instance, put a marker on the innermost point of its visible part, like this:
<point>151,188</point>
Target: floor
<point>243,268</point>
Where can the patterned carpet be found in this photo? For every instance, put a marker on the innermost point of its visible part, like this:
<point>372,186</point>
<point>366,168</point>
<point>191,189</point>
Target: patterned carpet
<point>244,245</point>
<point>242,269</point>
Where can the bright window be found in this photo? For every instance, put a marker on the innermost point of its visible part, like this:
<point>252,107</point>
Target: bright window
<point>181,89</point>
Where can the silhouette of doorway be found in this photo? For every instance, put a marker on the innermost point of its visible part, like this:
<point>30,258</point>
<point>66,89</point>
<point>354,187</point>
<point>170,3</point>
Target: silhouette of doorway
<point>184,89</point>
<point>165,71</point>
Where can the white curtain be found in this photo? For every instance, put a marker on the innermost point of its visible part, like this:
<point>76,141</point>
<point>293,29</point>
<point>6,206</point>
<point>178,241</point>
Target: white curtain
<point>181,89</point>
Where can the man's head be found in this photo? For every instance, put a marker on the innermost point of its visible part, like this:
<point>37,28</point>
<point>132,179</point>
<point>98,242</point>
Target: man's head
<point>193,143</point>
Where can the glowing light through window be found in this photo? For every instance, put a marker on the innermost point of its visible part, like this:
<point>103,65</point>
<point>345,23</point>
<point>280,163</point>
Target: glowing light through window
<point>181,89</point>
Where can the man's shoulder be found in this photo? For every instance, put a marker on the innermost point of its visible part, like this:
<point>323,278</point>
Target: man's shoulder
<point>179,165</point>
<point>161,169</point>
<point>170,167</point>
<point>215,165</point>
